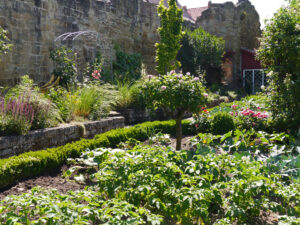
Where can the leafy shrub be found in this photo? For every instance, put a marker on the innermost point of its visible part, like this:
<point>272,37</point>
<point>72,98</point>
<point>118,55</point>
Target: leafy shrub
<point>200,51</point>
<point>177,94</point>
<point>45,112</point>
<point>65,67</point>
<point>222,123</point>
<point>127,67</point>
<point>170,33</point>
<point>280,52</point>
<point>202,122</point>
<point>64,101</point>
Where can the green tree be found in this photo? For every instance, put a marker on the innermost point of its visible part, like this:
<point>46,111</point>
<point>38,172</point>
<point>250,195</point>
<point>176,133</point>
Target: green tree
<point>170,33</point>
<point>177,94</point>
<point>280,52</point>
<point>4,42</point>
<point>200,51</point>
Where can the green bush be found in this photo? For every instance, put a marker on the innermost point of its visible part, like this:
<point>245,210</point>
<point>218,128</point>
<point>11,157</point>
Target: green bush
<point>280,52</point>
<point>31,164</point>
<point>200,51</point>
<point>127,67</point>
<point>222,123</point>
<point>63,100</point>
<point>65,67</point>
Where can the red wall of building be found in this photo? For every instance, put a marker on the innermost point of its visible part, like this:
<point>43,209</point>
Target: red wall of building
<point>249,61</point>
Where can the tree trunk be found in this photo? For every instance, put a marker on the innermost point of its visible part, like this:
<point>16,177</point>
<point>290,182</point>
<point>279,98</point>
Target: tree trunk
<point>178,133</point>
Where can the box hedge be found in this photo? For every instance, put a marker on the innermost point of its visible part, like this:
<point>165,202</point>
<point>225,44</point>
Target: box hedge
<point>32,164</point>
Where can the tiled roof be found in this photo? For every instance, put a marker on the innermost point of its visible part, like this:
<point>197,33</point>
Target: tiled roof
<point>196,12</point>
<point>186,14</point>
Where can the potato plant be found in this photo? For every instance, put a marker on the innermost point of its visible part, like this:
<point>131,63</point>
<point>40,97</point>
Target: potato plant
<point>158,185</point>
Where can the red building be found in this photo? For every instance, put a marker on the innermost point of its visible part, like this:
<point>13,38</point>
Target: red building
<point>253,74</point>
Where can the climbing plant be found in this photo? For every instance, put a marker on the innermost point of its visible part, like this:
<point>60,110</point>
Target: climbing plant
<point>4,41</point>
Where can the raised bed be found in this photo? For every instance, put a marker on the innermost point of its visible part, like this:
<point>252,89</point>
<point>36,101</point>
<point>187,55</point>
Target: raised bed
<point>56,136</point>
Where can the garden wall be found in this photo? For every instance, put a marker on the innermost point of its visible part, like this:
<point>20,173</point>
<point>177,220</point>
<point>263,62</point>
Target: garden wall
<point>33,26</point>
<point>57,136</point>
<point>238,25</point>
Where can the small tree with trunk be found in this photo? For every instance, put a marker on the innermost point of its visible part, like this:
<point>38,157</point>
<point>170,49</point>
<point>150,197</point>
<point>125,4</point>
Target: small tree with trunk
<point>170,32</point>
<point>177,94</point>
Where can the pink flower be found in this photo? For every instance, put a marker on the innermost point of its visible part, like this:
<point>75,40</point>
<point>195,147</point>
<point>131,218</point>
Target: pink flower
<point>172,72</point>
<point>149,77</point>
<point>196,79</point>
<point>180,81</point>
<point>163,87</point>
<point>205,95</point>
<point>96,74</point>
<point>188,73</point>
<point>234,107</point>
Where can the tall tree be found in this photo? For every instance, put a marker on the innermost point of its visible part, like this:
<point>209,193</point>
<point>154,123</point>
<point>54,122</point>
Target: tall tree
<point>170,32</point>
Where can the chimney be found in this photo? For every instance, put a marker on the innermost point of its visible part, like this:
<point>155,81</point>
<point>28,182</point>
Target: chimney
<point>209,4</point>
<point>184,8</point>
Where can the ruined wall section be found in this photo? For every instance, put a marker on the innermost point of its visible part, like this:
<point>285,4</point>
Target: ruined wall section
<point>239,25</point>
<point>33,26</point>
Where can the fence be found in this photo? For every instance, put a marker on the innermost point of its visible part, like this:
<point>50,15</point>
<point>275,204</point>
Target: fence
<point>253,79</point>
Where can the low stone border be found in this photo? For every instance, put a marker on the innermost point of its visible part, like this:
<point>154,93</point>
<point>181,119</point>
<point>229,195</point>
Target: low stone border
<point>56,136</point>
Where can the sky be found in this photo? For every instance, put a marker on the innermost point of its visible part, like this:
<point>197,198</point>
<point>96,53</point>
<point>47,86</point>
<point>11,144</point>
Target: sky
<point>265,8</point>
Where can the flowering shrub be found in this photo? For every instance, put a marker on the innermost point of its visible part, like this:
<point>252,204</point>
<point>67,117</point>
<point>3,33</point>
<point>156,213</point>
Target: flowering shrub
<point>248,118</point>
<point>177,94</point>
<point>16,116</point>
<point>46,113</point>
<point>251,112</point>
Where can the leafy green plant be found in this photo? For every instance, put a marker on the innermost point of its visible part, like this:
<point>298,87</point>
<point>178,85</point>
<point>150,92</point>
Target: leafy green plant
<point>65,67</point>
<point>127,67</point>
<point>280,52</point>
<point>222,123</point>
<point>177,94</point>
<point>170,33</point>
<point>64,101</point>
<point>5,46</point>
<point>129,95</point>
<point>89,102</point>
<point>93,69</point>
<point>200,51</point>
<point>31,164</point>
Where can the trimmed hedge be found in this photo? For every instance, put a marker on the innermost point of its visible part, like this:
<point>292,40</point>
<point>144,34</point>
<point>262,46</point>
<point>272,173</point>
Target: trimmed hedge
<point>32,164</point>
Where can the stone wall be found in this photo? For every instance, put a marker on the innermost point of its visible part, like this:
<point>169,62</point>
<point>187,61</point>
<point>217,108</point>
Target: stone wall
<point>33,26</point>
<point>239,25</point>
<point>57,136</point>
